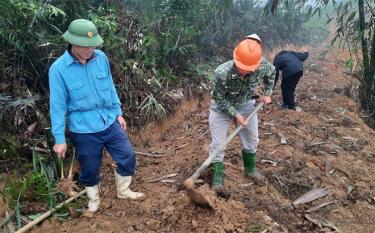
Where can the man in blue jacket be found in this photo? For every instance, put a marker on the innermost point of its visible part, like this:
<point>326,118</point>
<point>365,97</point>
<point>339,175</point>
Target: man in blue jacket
<point>82,89</point>
<point>291,64</point>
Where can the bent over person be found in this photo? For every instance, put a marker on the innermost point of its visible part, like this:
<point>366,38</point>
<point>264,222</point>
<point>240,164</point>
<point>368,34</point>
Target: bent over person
<point>234,84</point>
<point>82,89</point>
<point>291,65</point>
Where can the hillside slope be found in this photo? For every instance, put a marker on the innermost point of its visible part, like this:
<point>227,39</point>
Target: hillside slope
<point>329,129</point>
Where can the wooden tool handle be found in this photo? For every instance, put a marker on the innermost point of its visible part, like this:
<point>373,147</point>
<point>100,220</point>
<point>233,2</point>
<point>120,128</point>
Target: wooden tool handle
<point>208,161</point>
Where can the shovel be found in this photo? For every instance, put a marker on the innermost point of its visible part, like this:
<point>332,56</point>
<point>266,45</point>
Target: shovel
<point>195,195</point>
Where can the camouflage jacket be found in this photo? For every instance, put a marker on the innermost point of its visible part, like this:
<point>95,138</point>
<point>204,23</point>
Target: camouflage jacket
<point>231,89</point>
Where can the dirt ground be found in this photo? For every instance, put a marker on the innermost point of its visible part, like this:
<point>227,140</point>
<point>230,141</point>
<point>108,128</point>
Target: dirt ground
<point>327,145</point>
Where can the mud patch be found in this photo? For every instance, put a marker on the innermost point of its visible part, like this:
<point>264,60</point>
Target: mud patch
<point>202,196</point>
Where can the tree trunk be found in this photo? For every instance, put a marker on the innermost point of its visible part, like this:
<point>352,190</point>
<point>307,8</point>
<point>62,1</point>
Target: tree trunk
<point>372,58</point>
<point>367,88</point>
<point>361,32</point>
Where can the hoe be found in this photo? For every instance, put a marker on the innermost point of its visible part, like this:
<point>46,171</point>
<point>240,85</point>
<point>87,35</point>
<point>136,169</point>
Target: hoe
<point>195,195</point>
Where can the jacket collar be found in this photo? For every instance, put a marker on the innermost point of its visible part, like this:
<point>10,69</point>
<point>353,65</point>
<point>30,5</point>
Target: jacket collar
<point>69,58</point>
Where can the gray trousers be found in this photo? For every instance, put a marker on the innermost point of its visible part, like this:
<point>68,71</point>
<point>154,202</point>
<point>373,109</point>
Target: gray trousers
<point>219,124</point>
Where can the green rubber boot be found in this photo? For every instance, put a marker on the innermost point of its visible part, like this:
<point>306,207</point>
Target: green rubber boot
<point>249,164</point>
<point>217,176</point>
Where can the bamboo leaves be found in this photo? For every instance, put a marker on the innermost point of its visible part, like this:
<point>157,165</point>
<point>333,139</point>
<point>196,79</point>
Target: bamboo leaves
<point>151,106</point>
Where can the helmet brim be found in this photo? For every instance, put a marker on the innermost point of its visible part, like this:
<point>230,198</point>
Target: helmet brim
<point>246,67</point>
<point>84,42</point>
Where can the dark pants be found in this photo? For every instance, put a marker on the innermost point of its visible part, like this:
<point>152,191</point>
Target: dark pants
<point>288,86</point>
<point>89,149</point>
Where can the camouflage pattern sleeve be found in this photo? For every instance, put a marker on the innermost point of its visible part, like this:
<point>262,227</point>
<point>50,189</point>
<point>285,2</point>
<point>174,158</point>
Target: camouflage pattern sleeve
<point>269,79</point>
<point>218,94</point>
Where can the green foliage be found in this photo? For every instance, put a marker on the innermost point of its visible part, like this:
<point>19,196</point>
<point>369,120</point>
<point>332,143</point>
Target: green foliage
<point>355,31</point>
<point>35,192</point>
<point>150,105</point>
<point>155,47</point>
<point>157,40</point>
<point>35,186</point>
<point>349,63</point>
<point>10,106</point>
<point>187,31</point>
<point>254,229</point>
<point>25,28</point>
<point>202,71</point>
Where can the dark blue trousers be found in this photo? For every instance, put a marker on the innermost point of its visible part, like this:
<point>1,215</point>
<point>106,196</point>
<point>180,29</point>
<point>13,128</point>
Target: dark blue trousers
<point>89,150</point>
<point>288,87</point>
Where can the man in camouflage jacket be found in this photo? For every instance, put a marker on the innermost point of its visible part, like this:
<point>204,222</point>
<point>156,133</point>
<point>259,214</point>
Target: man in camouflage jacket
<point>234,85</point>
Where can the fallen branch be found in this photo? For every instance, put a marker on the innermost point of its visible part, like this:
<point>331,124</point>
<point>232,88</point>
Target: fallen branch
<point>273,152</point>
<point>318,144</point>
<point>166,181</point>
<point>268,124</point>
<point>315,208</point>
<point>266,134</point>
<point>228,176</point>
<point>295,129</point>
<point>245,185</point>
<point>321,223</point>
<point>148,154</point>
<point>199,181</point>
<point>273,163</point>
<point>160,152</point>
<point>205,132</point>
<point>48,213</point>
<point>181,146</point>
<point>277,144</point>
<point>163,178</point>
<point>351,139</point>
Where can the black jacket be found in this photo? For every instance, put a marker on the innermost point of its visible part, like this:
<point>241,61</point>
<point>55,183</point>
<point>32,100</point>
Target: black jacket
<point>289,62</point>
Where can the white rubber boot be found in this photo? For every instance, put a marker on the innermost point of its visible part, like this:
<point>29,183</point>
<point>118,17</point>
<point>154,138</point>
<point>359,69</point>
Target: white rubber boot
<point>123,190</point>
<point>94,199</point>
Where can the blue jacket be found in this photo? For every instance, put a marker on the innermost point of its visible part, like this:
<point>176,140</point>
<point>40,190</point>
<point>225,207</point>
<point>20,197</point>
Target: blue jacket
<point>85,93</point>
<point>289,62</point>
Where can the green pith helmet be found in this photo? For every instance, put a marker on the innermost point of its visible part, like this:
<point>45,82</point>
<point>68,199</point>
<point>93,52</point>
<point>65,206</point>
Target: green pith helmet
<point>83,32</point>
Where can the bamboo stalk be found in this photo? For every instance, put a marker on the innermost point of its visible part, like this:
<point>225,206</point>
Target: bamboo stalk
<point>62,169</point>
<point>48,213</point>
<point>70,175</point>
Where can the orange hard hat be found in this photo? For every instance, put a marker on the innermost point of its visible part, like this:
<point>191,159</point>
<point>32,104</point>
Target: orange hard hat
<point>247,55</point>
